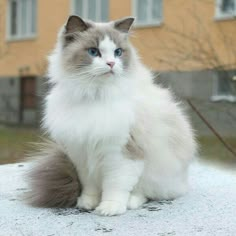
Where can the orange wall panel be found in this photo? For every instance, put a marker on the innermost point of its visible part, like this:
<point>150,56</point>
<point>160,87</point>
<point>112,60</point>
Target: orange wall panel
<point>32,53</point>
<point>194,18</point>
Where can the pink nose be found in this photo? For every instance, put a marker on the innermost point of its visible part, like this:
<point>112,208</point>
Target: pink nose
<point>111,63</point>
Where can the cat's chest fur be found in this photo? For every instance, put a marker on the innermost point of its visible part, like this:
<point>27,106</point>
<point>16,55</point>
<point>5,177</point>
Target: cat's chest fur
<point>88,122</point>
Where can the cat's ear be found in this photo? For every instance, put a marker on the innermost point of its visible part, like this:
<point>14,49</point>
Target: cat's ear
<point>124,24</point>
<point>76,24</point>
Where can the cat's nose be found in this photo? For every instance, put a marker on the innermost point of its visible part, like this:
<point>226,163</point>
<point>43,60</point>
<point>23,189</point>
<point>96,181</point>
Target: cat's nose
<point>111,64</point>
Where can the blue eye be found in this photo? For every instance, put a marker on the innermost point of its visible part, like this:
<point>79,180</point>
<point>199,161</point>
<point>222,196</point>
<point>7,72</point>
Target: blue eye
<point>118,52</point>
<point>94,52</point>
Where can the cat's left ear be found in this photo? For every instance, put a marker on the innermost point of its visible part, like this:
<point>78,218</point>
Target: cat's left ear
<point>124,25</point>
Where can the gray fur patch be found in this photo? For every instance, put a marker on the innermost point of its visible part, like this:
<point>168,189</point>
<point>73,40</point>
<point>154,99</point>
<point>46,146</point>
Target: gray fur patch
<point>133,150</point>
<point>53,180</point>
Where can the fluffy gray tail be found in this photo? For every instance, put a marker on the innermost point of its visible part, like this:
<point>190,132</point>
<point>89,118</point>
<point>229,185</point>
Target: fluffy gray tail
<point>53,179</point>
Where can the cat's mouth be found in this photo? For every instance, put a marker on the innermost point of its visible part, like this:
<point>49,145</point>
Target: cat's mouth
<point>110,72</point>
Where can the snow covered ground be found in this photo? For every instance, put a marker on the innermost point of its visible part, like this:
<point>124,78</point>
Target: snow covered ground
<point>208,209</point>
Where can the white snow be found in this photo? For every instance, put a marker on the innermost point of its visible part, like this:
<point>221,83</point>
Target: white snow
<point>208,209</point>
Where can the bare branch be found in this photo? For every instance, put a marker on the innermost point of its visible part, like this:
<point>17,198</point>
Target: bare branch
<point>197,46</point>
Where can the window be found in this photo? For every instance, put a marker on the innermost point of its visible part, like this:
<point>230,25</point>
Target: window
<point>147,12</point>
<point>225,9</point>
<point>96,10</point>
<point>21,19</point>
<point>224,87</point>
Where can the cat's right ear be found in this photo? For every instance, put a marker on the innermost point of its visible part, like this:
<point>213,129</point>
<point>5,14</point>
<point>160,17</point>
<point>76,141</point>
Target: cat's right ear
<point>75,24</point>
<point>124,24</point>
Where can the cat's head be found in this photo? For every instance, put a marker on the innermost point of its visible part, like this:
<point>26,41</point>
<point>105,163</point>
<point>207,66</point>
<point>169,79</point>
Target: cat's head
<point>96,50</point>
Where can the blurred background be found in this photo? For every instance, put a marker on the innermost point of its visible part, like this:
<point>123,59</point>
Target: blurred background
<point>189,45</point>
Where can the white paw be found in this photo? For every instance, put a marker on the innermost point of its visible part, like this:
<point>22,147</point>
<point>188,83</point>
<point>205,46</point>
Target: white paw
<point>88,202</point>
<point>110,208</point>
<point>136,201</point>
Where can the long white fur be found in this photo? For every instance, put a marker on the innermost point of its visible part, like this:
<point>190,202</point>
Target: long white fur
<point>93,123</point>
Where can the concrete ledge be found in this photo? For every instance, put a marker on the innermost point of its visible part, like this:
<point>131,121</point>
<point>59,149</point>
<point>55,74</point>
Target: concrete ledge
<point>202,84</point>
<point>208,209</point>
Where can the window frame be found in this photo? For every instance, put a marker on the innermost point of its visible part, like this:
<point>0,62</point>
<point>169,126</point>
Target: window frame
<point>150,23</point>
<point>219,15</point>
<point>20,36</point>
<point>85,10</point>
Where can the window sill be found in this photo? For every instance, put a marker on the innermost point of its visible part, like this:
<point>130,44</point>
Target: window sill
<point>148,25</point>
<point>224,17</point>
<point>228,98</point>
<point>21,38</point>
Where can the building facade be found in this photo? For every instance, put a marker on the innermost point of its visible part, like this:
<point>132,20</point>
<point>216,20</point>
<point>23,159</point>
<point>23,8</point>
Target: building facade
<point>183,40</point>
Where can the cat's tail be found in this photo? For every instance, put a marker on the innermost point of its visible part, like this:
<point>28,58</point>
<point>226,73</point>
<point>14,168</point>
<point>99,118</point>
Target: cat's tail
<point>53,179</point>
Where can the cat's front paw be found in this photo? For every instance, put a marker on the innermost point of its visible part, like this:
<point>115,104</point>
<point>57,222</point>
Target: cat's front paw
<point>136,201</point>
<point>87,202</point>
<point>110,208</point>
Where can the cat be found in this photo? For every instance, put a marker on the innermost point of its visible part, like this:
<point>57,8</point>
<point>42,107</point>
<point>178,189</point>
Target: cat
<point>118,139</point>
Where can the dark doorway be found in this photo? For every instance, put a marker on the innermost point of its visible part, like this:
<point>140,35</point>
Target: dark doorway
<point>28,99</point>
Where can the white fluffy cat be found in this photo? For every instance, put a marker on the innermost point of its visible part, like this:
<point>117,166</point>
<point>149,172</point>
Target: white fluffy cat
<point>127,138</point>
